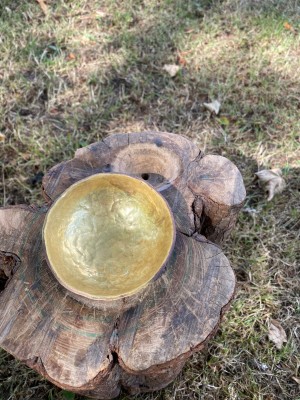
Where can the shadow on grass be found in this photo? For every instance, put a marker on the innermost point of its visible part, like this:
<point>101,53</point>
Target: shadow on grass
<point>78,75</point>
<point>116,79</point>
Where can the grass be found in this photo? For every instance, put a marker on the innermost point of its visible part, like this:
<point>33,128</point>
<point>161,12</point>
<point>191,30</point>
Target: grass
<point>93,68</point>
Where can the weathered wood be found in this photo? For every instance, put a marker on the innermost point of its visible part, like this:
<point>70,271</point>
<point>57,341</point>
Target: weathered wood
<point>205,193</point>
<point>139,344</point>
<point>219,194</point>
<point>74,345</point>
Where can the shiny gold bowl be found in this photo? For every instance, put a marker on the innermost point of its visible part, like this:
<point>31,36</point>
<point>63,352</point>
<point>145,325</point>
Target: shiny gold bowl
<point>107,236</point>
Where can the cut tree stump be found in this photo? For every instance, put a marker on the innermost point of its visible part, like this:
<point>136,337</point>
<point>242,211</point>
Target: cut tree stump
<point>138,346</point>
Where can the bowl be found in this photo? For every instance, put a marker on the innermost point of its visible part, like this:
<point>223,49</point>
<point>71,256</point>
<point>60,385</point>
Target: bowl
<point>107,236</point>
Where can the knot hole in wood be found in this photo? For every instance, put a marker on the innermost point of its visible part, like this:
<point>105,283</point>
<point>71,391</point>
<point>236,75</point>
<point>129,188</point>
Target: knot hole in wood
<point>156,165</point>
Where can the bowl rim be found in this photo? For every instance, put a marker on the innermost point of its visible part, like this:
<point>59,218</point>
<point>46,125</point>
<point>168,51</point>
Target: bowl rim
<point>158,273</point>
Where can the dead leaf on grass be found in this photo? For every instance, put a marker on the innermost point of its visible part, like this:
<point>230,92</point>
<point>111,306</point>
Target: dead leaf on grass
<point>181,60</point>
<point>2,137</point>
<point>171,69</point>
<point>297,380</point>
<point>276,334</point>
<point>288,26</point>
<point>224,121</point>
<point>272,180</point>
<point>213,107</point>
<point>101,14</point>
<point>43,6</point>
<point>71,56</point>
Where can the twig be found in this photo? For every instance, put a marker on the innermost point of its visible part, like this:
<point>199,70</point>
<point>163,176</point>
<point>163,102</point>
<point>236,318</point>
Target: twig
<point>43,6</point>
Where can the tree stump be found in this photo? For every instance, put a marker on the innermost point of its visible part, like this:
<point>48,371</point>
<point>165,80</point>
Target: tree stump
<point>137,344</point>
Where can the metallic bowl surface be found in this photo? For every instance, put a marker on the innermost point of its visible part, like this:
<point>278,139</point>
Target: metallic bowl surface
<point>107,236</point>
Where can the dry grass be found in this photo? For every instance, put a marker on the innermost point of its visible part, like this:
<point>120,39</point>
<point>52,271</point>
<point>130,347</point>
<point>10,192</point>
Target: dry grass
<point>88,70</point>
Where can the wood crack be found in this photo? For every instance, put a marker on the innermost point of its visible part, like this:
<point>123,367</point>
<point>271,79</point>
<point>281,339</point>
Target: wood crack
<point>140,344</point>
<point>114,341</point>
<point>9,263</point>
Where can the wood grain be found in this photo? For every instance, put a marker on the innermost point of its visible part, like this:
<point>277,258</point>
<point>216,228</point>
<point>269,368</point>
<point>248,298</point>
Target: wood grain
<point>74,345</point>
<point>205,193</point>
<point>141,343</point>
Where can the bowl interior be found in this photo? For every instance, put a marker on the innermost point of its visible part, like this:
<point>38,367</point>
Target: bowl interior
<point>108,235</point>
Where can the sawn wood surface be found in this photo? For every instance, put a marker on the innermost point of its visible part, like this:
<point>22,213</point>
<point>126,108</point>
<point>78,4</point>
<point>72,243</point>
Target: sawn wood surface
<point>140,345</point>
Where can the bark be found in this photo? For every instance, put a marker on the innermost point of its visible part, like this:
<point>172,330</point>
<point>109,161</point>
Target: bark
<point>139,345</point>
<point>205,193</point>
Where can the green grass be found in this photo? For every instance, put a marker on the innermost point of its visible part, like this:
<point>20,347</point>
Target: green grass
<point>93,68</point>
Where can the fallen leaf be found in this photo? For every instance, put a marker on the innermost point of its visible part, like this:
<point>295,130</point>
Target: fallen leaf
<point>272,180</point>
<point>71,56</point>
<point>288,26</point>
<point>181,56</point>
<point>213,107</point>
<point>101,14</point>
<point>276,334</point>
<point>2,137</point>
<point>43,6</point>
<point>181,60</point>
<point>171,69</point>
<point>224,121</point>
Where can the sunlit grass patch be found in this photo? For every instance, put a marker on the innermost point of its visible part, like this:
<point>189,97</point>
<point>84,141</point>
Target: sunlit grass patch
<point>93,68</point>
